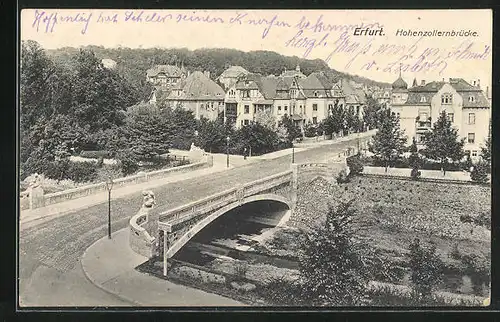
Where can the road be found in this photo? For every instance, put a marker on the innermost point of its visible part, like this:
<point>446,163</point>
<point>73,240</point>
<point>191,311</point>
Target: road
<point>50,273</point>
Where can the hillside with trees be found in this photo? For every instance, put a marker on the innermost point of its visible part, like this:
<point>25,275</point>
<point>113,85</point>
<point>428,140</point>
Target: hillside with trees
<point>133,63</point>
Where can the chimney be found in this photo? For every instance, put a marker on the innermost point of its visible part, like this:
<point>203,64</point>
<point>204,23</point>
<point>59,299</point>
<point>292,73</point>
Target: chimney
<point>443,79</point>
<point>422,82</point>
<point>474,83</point>
<point>478,83</point>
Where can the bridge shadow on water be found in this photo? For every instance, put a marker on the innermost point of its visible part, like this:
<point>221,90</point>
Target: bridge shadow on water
<point>234,233</point>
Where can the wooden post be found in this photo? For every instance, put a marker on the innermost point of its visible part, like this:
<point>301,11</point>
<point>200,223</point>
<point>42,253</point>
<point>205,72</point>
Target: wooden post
<point>167,228</point>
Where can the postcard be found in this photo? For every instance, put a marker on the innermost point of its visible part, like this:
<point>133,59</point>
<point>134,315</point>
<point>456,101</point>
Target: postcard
<point>248,158</point>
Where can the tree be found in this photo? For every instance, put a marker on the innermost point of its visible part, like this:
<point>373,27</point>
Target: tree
<point>330,265</point>
<point>211,135</point>
<point>266,119</point>
<point>414,160</point>
<point>389,141</point>
<point>150,132</point>
<point>480,172</point>
<point>426,266</point>
<point>371,112</point>
<point>355,165</point>
<point>442,143</point>
<point>486,149</point>
<point>337,118</point>
<point>293,131</point>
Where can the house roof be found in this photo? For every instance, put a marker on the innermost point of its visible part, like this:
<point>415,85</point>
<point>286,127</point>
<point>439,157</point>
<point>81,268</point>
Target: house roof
<point>462,87</point>
<point>399,84</point>
<point>234,71</point>
<point>265,85</point>
<point>169,70</point>
<point>198,86</point>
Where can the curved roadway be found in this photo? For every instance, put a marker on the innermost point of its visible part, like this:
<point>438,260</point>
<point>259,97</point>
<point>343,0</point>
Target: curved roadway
<point>50,273</point>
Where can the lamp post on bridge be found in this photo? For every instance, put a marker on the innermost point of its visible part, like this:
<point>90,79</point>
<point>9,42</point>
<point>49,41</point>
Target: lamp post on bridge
<point>293,153</point>
<point>227,151</point>
<point>109,186</point>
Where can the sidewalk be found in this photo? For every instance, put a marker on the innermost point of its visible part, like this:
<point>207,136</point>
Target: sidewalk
<point>110,265</point>
<point>65,207</point>
<point>431,174</point>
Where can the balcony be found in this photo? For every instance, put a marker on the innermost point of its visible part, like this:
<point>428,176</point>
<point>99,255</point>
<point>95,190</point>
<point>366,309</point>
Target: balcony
<point>423,125</point>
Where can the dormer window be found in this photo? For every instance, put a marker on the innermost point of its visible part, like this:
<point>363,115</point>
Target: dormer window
<point>446,98</point>
<point>471,99</point>
<point>422,99</point>
<point>316,93</point>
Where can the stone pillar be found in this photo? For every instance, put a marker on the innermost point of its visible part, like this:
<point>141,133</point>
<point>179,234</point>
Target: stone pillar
<point>167,229</point>
<point>36,197</point>
<point>36,194</point>
<point>210,160</point>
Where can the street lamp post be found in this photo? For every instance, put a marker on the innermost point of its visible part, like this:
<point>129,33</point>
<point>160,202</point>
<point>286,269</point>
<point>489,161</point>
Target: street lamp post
<point>109,186</point>
<point>227,151</point>
<point>293,153</point>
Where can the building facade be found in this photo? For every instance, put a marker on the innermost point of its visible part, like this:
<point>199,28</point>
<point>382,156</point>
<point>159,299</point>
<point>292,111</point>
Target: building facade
<point>466,105</point>
<point>304,99</point>
<point>197,93</point>
<point>165,76</point>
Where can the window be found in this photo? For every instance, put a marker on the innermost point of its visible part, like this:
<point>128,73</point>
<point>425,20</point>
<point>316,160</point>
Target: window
<point>201,106</point>
<point>397,114</point>
<point>315,107</point>
<point>241,122</point>
<point>474,153</point>
<point>471,99</point>
<point>422,99</point>
<point>315,120</point>
<point>279,109</point>
<point>451,117</point>
<point>357,110</point>
<point>471,138</point>
<point>467,152</point>
<point>472,118</point>
<point>247,109</point>
<point>423,117</point>
<point>446,99</point>
<point>254,109</point>
<point>315,93</point>
<point>286,108</point>
<point>300,109</point>
<point>246,122</point>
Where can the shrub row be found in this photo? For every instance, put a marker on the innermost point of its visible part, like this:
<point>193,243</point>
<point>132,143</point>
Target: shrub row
<point>96,154</point>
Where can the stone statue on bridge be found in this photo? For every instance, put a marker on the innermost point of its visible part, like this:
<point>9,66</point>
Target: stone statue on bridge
<point>35,192</point>
<point>148,199</point>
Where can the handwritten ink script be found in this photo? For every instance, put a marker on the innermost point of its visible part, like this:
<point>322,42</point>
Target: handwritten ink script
<point>310,35</point>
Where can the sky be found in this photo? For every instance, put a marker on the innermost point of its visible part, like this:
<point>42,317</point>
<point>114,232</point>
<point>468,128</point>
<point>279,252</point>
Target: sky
<point>314,34</point>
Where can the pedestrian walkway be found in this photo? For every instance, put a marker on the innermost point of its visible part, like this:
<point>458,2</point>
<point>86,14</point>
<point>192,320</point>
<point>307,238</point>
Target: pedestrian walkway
<point>65,207</point>
<point>110,265</point>
<point>430,174</point>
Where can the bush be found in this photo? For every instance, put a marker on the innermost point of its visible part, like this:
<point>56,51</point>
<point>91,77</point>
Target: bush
<point>343,177</point>
<point>280,291</point>
<point>480,172</point>
<point>96,154</point>
<point>241,269</point>
<point>75,171</point>
<point>83,171</point>
<point>427,268</point>
<point>128,161</point>
<point>355,165</point>
<point>310,130</point>
<point>415,174</point>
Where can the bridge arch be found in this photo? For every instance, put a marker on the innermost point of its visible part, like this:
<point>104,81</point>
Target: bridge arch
<point>220,212</point>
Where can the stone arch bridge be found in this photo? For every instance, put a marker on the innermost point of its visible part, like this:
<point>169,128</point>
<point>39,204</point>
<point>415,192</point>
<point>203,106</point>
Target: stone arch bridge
<point>164,234</point>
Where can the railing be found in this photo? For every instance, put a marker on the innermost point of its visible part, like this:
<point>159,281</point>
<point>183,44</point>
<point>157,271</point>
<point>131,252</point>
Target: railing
<point>139,239</point>
<point>88,190</point>
<point>223,198</point>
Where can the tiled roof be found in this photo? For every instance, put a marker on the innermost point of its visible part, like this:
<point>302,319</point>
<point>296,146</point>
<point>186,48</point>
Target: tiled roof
<point>265,85</point>
<point>169,70</point>
<point>198,86</point>
<point>465,90</point>
<point>234,71</point>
